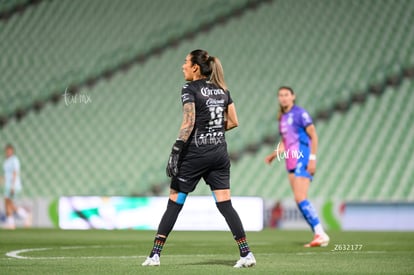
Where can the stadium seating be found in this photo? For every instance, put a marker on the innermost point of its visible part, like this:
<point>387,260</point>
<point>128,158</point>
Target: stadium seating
<point>8,5</point>
<point>365,154</point>
<point>118,143</point>
<point>61,43</point>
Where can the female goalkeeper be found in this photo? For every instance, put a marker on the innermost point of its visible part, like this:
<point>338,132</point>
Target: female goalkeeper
<point>298,147</point>
<point>200,151</point>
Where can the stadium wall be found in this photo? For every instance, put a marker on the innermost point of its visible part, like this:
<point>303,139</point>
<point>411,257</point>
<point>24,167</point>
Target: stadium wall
<point>200,213</point>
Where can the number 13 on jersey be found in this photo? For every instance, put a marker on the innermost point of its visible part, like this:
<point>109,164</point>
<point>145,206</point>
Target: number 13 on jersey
<point>216,115</point>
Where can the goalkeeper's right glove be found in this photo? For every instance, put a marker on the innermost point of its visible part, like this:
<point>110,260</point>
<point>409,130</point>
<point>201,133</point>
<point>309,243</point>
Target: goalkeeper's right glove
<point>172,166</point>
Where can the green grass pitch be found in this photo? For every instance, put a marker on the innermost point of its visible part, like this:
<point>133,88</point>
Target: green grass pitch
<point>52,251</point>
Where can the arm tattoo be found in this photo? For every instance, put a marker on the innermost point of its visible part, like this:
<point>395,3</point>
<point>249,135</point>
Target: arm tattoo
<point>188,121</point>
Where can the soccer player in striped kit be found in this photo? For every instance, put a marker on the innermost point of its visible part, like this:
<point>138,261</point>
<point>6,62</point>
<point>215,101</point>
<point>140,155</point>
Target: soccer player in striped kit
<point>299,147</point>
<point>200,151</point>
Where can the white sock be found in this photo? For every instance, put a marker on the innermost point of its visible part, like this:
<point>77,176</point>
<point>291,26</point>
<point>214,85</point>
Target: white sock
<point>318,229</point>
<point>10,220</point>
<point>21,212</point>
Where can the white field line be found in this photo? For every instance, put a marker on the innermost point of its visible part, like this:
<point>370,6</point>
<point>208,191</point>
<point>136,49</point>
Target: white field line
<point>18,254</point>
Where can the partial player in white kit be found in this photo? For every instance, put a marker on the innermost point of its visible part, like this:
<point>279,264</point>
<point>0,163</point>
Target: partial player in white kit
<point>12,187</point>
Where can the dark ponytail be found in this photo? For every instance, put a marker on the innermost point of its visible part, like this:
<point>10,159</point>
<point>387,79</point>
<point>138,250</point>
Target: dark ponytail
<point>210,67</point>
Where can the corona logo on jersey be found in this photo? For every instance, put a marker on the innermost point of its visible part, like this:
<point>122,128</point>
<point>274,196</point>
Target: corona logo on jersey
<point>205,91</point>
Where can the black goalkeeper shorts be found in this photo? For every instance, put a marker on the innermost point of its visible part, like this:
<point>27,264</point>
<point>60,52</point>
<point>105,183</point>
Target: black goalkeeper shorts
<point>213,166</point>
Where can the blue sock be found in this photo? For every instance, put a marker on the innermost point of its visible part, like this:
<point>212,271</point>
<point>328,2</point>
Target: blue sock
<point>309,213</point>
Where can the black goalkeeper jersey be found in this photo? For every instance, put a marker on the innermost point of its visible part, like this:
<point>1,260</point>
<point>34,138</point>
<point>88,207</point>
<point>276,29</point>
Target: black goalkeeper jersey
<point>210,105</point>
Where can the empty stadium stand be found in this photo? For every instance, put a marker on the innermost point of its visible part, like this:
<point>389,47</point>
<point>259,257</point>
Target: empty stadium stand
<point>112,134</point>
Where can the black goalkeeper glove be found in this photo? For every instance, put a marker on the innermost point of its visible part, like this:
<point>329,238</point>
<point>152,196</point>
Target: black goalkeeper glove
<point>172,166</point>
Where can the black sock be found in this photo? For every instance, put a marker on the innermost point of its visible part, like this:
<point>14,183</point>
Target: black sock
<point>166,224</point>
<point>243,246</point>
<point>158,245</point>
<point>169,218</point>
<point>235,225</point>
